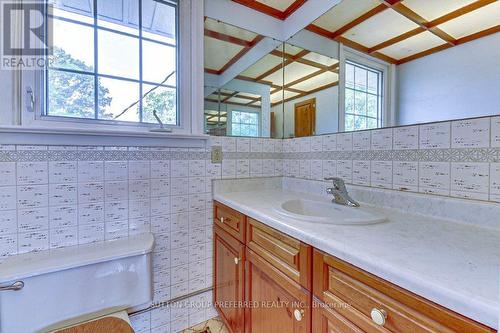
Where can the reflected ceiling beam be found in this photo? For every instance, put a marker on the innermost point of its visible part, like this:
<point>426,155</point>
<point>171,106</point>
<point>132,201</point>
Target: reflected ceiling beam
<point>228,38</point>
<point>316,43</point>
<point>287,62</point>
<point>315,90</point>
<point>310,76</point>
<point>239,15</point>
<point>229,96</point>
<point>233,103</point>
<point>230,12</point>
<point>262,48</point>
<point>301,60</point>
<point>269,83</point>
<point>431,24</point>
<point>247,45</point>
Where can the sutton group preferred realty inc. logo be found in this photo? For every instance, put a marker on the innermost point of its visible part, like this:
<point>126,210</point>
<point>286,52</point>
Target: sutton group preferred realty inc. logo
<point>24,39</point>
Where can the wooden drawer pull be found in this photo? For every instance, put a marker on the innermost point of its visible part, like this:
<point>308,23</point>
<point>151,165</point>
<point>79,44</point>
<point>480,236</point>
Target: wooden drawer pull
<point>378,316</point>
<point>298,314</point>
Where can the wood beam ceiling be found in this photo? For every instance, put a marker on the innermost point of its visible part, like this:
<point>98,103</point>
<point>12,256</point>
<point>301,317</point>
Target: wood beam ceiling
<point>459,41</point>
<point>287,62</point>
<point>433,24</point>
<point>271,11</point>
<point>420,21</point>
<point>423,25</point>
<point>301,60</point>
<point>328,34</point>
<point>305,93</point>
<point>238,56</point>
<point>339,32</point>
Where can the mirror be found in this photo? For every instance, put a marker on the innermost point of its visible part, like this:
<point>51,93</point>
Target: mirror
<point>310,103</point>
<point>396,72</point>
<point>360,65</point>
<point>243,75</point>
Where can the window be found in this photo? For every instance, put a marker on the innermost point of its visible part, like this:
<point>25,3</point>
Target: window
<point>363,97</point>
<point>113,61</point>
<point>244,123</point>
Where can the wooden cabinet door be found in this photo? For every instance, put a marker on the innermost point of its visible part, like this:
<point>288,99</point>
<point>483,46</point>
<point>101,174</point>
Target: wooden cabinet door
<point>326,320</point>
<point>275,302</point>
<point>229,279</point>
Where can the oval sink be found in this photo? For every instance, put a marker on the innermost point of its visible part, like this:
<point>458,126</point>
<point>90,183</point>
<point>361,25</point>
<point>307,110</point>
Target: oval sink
<point>328,212</point>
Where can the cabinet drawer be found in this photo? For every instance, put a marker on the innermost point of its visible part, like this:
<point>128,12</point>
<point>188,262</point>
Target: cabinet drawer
<point>230,221</point>
<point>327,320</point>
<point>337,281</point>
<point>289,255</point>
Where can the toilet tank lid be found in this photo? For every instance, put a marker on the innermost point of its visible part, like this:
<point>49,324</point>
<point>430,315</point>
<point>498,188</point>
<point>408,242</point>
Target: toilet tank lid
<point>37,263</point>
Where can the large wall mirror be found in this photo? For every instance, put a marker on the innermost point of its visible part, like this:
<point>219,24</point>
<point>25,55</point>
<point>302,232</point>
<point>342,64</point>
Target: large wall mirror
<point>361,64</point>
<point>243,80</point>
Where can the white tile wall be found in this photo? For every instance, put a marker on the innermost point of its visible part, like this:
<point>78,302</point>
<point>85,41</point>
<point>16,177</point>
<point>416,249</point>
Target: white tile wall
<point>458,158</point>
<point>49,203</point>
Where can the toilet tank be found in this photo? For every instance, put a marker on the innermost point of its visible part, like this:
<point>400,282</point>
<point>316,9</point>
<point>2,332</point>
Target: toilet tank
<point>78,281</point>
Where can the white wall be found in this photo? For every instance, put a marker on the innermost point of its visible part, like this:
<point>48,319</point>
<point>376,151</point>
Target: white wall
<point>461,82</point>
<point>327,113</point>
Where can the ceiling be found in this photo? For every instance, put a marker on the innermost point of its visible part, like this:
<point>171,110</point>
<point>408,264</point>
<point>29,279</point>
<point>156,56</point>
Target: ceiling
<point>279,9</point>
<point>305,72</point>
<point>397,31</point>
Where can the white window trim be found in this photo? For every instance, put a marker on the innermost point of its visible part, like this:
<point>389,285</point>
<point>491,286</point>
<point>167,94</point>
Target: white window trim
<point>389,82</point>
<point>190,86</point>
<point>230,121</point>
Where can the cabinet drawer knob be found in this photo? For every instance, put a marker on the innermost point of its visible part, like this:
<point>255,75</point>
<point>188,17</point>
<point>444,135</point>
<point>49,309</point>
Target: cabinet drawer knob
<point>378,316</point>
<point>236,261</point>
<point>298,314</point>
<point>221,219</point>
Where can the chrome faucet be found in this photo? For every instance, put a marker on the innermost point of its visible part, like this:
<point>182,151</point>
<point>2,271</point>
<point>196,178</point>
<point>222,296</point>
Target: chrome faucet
<point>339,192</point>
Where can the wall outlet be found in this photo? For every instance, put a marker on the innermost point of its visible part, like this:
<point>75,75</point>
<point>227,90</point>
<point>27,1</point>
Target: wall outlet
<point>216,154</point>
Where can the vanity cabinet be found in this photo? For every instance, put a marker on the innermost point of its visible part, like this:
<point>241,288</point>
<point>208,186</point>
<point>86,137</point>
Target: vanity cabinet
<point>351,295</point>
<point>283,304</point>
<point>229,279</point>
<point>288,286</point>
<point>289,255</point>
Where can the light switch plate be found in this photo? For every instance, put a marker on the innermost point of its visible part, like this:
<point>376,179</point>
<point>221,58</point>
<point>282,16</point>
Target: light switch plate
<point>216,154</point>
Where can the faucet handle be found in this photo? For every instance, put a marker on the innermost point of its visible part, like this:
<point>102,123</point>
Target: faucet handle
<point>338,183</point>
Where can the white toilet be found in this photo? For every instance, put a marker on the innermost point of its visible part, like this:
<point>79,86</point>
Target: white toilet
<point>50,290</point>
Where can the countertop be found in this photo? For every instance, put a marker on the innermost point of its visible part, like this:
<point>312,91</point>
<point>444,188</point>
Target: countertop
<point>456,265</point>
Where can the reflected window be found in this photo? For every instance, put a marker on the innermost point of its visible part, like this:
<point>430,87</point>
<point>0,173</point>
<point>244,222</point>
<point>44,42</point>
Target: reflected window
<point>109,66</point>
<point>363,97</point>
<point>244,123</point>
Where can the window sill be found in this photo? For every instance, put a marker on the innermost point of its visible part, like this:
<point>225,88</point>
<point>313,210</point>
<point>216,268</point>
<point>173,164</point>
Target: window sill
<point>75,136</point>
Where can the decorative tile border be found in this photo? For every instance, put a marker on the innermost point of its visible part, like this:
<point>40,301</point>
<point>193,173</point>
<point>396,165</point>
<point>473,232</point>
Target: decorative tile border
<point>491,155</point>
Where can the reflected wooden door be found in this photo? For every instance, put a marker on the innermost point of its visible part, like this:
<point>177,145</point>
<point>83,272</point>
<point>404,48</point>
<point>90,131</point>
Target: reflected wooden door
<point>305,118</point>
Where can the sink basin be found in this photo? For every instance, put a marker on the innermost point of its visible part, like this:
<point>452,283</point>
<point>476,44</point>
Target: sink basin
<point>328,212</point>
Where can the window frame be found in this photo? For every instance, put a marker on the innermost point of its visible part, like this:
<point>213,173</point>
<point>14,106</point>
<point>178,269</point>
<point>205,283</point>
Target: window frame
<point>96,29</point>
<point>230,124</point>
<point>388,82</point>
<point>379,95</point>
<point>189,86</point>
